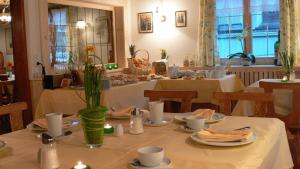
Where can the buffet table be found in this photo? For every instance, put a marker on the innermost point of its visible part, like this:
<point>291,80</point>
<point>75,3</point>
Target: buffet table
<point>69,101</point>
<point>205,87</point>
<point>269,151</point>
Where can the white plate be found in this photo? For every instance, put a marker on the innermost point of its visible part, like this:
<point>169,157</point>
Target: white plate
<point>190,130</point>
<point>135,163</point>
<point>2,145</point>
<point>165,121</point>
<point>225,144</point>
<point>216,117</point>
<point>31,126</point>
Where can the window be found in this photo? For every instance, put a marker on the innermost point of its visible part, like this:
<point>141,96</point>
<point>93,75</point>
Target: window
<point>60,44</point>
<point>232,20</point>
<point>71,29</point>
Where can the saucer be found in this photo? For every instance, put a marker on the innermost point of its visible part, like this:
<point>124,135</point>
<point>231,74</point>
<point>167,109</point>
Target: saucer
<point>33,127</point>
<point>65,134</point>
<point>187,129</point>
<point>165,121</point>
<point>135,163</point>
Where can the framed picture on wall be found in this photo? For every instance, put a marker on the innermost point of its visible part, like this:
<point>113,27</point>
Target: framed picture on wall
<point>180,18</point>
<point>145,22</point>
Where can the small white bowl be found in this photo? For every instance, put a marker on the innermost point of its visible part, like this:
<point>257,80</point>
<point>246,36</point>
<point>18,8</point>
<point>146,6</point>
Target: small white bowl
<point>196,123</point>
<point>150,156</point>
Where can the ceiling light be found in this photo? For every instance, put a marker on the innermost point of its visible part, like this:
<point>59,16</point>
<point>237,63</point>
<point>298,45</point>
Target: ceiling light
<point>81,24</point>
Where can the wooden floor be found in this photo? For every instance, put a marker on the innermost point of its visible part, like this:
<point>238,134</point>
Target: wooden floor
<point>295,151</point>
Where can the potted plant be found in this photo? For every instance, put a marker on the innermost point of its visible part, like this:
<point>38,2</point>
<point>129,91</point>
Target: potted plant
<point>161,66</point>
<point>288,62</point>
<point>246,58</point>
<point>93,116</point>
<point>132,50</point>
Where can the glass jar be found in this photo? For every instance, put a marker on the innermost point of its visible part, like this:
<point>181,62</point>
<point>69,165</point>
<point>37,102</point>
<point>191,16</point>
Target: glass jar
<point>136,122</point>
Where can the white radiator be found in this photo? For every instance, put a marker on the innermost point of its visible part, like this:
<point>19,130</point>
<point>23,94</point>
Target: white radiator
<point>251,74</point>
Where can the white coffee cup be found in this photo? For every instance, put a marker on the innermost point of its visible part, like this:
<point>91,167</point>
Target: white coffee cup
<point>156,111</point>
<point>196,123</point>
<point>55,124</point>
<point>151,156</point>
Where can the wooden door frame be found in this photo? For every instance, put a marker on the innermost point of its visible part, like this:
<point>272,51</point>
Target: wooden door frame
<point>22,88</point>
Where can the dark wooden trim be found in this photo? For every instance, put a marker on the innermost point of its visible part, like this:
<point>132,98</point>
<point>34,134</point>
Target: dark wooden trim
<point>120,36</point>
<point>248,26</point>
<point>22,83</point>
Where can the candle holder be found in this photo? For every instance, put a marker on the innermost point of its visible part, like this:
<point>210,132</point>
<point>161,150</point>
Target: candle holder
<point>108,129</point>
<point>80,165</point>
<point>285,79</point>
<point>87,167</point>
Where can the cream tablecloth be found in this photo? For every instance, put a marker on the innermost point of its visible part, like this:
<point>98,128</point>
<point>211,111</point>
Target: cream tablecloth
<point>282,101</point>
<point>270,151</point>
<point>205,87</point>
<point>68,101</point>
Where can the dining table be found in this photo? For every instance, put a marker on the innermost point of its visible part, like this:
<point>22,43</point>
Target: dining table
<point>270,150</point>
<point>70,100</point>
<point>205,87</point>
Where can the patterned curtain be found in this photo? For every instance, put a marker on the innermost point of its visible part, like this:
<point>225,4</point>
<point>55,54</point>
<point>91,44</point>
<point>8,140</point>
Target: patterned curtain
<point>288,27</point>
<point>207,33</point>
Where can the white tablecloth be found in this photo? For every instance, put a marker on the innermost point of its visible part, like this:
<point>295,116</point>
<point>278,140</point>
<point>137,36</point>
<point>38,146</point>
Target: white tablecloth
<point>204,87</point>
<point>270,151</point>
<point>68,101</point>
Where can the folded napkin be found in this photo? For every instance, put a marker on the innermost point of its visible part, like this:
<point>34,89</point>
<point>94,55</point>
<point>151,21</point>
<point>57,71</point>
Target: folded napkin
<point>43,122</point>
<point>205,113</point>
<point>224,136</point>
<point>124,112</point>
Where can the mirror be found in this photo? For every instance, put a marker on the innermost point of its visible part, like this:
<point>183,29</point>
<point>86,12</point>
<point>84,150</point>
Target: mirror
<point>72,28</point>
<point>6,46</point>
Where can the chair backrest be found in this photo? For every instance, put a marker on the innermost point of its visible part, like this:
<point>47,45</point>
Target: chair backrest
<point>262,100</point>
<point>293,116</point>
<point>15,111</point>
<point>186,97</point>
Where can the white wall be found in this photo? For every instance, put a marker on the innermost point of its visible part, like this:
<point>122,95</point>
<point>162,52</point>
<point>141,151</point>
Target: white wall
<point>179,42</point>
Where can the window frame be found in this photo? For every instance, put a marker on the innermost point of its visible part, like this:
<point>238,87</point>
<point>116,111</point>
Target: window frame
<point>247,22</point>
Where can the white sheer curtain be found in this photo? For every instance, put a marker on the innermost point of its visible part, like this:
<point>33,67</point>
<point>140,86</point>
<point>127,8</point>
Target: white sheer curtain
<point>207,33</point>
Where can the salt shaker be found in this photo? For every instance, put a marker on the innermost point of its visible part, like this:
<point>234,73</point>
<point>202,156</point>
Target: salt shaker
<point>136,122</point>
<point>47,154</point>
<point>119,130</point>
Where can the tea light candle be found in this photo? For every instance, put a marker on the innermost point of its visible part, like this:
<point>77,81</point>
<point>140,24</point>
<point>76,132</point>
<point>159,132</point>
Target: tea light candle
<point>108,129</point>
<point>116,66</point>
<point>284,79</point>
<point>110,66</point>
<point>80,165</point>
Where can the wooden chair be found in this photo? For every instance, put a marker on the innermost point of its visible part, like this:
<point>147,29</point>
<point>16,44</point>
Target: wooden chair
<point>185,96</point>
<point>15,111</point>
<point>291,120</point>
<point>262,101</point>
<point>4,89</point>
